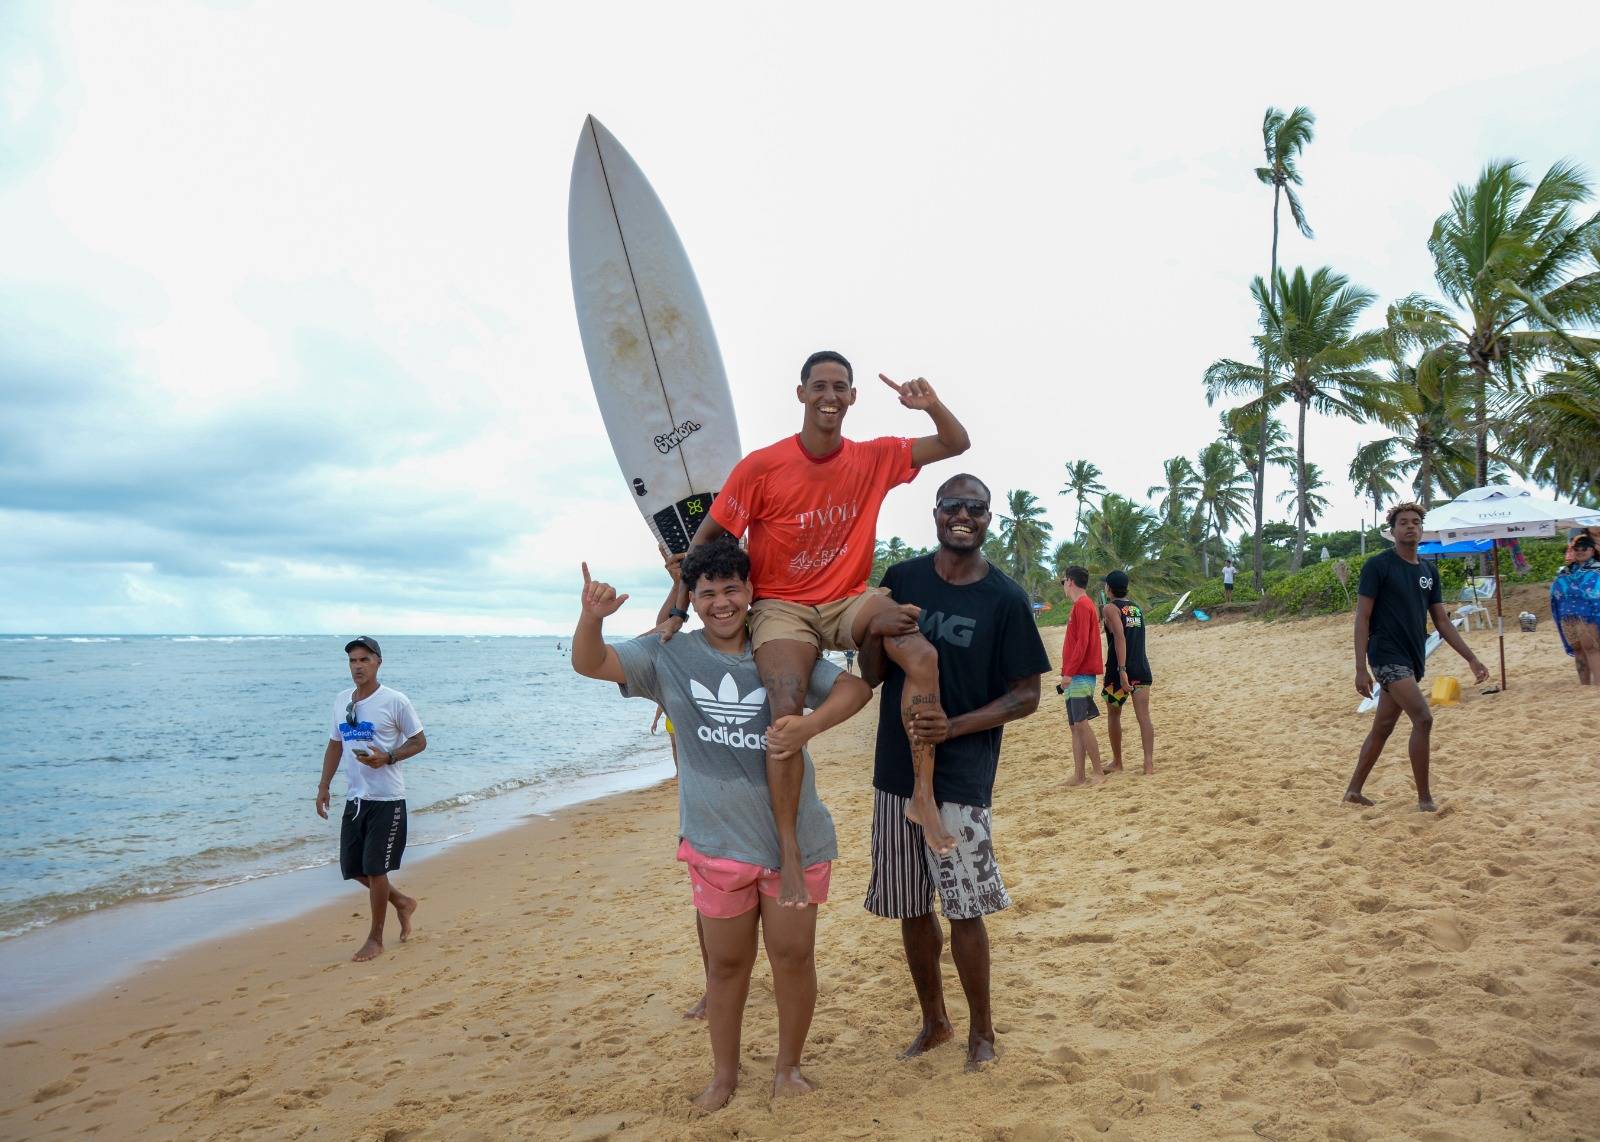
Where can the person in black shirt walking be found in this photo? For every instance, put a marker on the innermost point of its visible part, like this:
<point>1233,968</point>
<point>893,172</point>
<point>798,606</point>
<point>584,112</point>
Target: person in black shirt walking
<point>990,659</point>
<point>1397,594</point>
<point>1127,671</point>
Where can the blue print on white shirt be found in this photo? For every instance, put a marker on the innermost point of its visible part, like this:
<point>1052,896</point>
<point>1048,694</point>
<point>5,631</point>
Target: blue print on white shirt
<point>360,732</point>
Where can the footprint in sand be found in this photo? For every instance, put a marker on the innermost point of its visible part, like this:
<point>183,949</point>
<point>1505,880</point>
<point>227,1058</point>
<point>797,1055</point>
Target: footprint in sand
<point>58,1088</point>
<point>1443,930</point>
<point>378,1009</point>
<point>1388,1037</point>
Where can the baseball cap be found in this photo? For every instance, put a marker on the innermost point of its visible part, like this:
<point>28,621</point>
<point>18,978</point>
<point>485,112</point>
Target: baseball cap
<point>1117,581</point>
<point>365,640</point>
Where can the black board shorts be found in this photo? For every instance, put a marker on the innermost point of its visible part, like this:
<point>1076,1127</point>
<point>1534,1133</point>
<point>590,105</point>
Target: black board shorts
<point>372,837</point>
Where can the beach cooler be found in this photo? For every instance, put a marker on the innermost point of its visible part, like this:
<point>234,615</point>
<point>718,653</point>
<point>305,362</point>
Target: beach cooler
<point>1446,691</point>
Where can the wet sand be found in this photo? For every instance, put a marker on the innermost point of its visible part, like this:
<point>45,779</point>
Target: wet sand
<point>1219,951</point>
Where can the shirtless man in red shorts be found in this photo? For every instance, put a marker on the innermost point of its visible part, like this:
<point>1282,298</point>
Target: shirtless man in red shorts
<point>810,503</point>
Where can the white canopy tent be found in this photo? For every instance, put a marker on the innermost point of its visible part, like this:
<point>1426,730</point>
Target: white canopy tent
<point>1503,511</point>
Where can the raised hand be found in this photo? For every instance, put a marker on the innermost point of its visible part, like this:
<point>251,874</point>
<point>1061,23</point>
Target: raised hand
<point>600,600</point>
<point>917,394</point>
<point>674,563</point>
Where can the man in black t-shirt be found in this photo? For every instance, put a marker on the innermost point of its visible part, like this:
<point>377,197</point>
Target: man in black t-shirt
<point>990,659</point>
<point>1127,671</point>
<point>1397,594</point>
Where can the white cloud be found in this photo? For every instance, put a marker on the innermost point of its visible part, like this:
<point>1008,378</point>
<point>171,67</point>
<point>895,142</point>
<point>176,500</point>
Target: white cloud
<point>235,225</point>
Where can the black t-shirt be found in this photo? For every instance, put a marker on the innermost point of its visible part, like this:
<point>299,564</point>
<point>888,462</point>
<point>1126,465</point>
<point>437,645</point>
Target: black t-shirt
<point>1401,594</point>
<point>986,639</point>
<point>1133,634</point>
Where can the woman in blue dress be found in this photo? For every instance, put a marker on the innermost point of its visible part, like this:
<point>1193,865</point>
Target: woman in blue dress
<point>1575,606</point>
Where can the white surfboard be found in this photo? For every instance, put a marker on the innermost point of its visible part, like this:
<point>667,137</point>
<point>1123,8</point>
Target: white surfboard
<point>652,353</point>
<point>1177,611</point>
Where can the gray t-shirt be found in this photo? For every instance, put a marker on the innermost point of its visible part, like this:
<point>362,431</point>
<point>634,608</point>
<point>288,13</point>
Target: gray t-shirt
<point>719,711</point>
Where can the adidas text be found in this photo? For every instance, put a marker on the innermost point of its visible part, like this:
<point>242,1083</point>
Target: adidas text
<point>736,739</point>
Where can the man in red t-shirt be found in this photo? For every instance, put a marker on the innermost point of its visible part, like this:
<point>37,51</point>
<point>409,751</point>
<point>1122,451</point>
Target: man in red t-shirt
<point>810,504</point>
<point>1080,671</point>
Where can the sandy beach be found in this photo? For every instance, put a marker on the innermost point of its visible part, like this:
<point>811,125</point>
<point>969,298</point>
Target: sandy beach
<point>1218,951</point>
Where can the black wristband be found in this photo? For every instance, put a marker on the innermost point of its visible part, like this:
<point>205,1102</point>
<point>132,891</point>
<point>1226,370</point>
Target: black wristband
<point>679,613</point>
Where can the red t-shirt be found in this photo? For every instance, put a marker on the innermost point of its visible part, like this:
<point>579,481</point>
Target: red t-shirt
<point>812,522</point>
<point>1080,649</point>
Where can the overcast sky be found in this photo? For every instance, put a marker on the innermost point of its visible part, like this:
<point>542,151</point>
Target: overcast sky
<point>286,331</point>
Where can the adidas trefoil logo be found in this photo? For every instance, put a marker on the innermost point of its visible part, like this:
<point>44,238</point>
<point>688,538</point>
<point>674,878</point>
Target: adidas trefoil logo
<point>725,705</point>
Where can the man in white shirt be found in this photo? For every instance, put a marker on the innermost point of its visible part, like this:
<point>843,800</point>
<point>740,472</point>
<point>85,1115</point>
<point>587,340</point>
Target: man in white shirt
<point>374,729</point>
<point>1227,581</point>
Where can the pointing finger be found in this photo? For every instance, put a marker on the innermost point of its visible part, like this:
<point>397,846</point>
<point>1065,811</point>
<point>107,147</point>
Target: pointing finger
<point>888,382</point>
<point>586,573</point>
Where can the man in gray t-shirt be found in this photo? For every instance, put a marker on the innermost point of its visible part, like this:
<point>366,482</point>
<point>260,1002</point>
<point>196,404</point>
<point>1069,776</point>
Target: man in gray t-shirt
<point>720,713</point>
<point>708,683</point>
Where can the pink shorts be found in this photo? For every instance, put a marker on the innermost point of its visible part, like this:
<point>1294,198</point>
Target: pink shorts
<point>725,888</point>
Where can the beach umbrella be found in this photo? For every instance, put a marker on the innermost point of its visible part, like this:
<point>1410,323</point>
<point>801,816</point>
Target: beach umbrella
<point>1503,511</point>
<point>1464,547</point>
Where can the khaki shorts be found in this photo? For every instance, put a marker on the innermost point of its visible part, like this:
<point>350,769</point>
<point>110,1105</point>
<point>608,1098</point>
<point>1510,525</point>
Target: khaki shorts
<point>826,627</point>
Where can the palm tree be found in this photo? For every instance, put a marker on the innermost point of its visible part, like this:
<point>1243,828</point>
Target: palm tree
<point>1222,494</point>
<point>886,554</point>
<point>1083,480</point>
<point>1555,429</point>
<point>995,551</point>
<point>1241,432</point>
<point>1504,257</point>
<point>1066,553</point>
<point>1431,438</point>
<point>1122,535</point>
<point>1181,487</point>
<point>1373,471</point>
<point>1025,534</point>
<point>1283,137</point>
<point>1321,361</point>
<point>1311,503</point>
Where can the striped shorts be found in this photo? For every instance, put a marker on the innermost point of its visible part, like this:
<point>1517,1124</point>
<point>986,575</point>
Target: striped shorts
<point>906,872</point>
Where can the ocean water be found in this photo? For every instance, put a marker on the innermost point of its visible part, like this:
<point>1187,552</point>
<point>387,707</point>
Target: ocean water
<point>139,767</point>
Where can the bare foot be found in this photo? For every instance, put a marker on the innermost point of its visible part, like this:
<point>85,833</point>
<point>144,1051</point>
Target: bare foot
<point>698,1011</point>
<point>980,1052</point>
<point>1351,797</point>
<point>926,814</point>
<point>1149,768</point>
<point>789,1081</point>
<point>1089,782</point>
<point>370,950</point>
<point>716,1095</point>
<point>928,1038</point>
<point>792,885</point>
<point>1114,767</point>
<point>1426,805</point>
<point>405,909</point>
